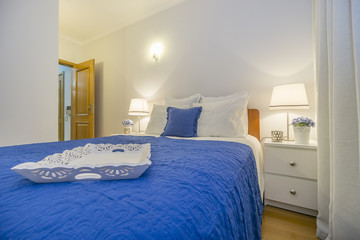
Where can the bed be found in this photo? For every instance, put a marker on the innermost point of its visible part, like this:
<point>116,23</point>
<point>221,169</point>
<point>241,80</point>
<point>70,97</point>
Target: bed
<point>196,188</point>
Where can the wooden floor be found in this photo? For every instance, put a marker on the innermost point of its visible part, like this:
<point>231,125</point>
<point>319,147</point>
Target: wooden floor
<point>279,224</point>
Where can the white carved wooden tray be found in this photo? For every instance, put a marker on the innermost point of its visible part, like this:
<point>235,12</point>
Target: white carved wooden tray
<point>91,162</point>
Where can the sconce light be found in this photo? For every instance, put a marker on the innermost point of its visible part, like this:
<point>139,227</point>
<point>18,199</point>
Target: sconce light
<point>156,51</point>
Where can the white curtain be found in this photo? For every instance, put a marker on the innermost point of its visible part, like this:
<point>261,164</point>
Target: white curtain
<point>337,43</point>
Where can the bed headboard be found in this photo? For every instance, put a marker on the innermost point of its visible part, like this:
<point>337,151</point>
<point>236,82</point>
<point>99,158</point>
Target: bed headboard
<point>254,123</point>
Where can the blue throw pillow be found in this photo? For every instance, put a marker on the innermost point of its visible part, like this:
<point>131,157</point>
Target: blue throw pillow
<point>182,122</point>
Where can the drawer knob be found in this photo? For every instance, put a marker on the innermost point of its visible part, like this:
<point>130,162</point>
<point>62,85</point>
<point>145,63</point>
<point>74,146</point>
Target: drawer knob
<point>292,164</point>
<point>292,191</point>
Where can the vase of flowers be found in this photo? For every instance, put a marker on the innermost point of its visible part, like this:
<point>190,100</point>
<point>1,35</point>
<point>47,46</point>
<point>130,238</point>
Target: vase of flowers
<point>302,127</point>
<point>127,123</point>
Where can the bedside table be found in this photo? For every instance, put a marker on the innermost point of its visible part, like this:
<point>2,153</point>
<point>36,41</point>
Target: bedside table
<point>291,176</point>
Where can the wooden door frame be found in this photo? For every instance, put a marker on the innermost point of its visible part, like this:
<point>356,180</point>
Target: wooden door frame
<point>61,128</point>
<point>66,63</point>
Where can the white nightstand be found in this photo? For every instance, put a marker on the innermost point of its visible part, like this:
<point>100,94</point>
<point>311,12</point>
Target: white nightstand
<point>291,176</point>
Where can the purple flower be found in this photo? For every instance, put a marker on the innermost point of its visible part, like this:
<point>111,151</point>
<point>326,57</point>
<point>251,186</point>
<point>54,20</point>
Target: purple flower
<point>127,122</point>
<point>303,121</point>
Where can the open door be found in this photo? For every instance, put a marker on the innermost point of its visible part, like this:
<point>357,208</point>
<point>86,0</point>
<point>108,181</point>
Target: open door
<point>82,99</point>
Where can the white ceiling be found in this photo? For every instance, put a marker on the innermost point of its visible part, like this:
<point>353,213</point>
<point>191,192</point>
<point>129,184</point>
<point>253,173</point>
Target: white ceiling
<point>83,21</point>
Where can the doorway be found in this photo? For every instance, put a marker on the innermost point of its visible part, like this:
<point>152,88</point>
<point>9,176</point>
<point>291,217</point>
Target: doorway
<point>76,100</point>
<point>66,76</point>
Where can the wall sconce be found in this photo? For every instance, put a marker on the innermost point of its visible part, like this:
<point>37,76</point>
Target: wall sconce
<point>156,51</point>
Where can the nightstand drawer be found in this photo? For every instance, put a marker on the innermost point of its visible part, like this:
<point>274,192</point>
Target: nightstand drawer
<point>291,161</point>
<point>294,191</point>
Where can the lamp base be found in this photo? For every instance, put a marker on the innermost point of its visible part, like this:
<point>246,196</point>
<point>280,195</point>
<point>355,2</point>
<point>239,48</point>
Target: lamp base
<point>139,124</point>
<point>287,139</point>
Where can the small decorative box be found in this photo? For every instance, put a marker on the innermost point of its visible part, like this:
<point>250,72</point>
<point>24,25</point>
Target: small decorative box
<point>276,136</point>
<point>91,162</point>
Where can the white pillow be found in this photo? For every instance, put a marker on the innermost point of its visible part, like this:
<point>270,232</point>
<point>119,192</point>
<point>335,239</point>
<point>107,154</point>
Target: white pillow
<point>224,98</point>
<point>223,119</point>
<point>182,102</point>
<point>158,120</point>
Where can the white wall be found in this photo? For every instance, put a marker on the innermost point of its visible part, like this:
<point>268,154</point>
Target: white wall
<point>70,50</point>
<point>220,47</point>
<point>28,66</point>
<point>210,47</point>
<point>110,84</point>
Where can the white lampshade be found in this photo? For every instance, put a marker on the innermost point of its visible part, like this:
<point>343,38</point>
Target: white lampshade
<point>138,107</point>
<point>290,96</point>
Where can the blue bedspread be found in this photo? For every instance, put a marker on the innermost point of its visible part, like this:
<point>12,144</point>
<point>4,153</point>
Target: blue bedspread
<point>192,190</point>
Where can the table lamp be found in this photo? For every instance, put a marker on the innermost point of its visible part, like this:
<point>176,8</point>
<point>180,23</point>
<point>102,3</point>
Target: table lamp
<point>286,97</point>
<point>138,107</point>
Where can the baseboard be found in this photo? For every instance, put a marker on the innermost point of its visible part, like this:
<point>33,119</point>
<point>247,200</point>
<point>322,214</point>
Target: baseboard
<point>290,207</point>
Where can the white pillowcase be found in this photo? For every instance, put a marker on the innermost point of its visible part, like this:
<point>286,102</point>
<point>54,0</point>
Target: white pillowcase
<point>223,119</point>
<point>182,102</point>
<point>224,98</point>
<point>158,120</point>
